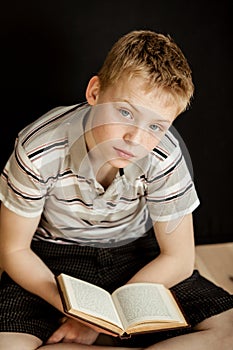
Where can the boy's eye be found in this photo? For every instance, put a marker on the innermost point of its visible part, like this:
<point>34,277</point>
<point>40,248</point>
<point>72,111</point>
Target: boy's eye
<point>155,127</point>
<point>125,113</point>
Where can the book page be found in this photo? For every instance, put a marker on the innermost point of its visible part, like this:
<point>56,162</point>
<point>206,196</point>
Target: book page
<point>91,299</point>
<point>140,302</point>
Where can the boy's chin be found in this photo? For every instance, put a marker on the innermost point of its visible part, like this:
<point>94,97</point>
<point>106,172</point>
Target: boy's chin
<point>121,163</point>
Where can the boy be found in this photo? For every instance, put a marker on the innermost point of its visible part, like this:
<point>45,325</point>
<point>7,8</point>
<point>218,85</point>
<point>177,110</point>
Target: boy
<point>101,191</point>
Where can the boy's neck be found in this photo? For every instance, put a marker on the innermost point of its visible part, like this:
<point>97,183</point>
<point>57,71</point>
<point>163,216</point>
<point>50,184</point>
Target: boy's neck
<point>106,174</point>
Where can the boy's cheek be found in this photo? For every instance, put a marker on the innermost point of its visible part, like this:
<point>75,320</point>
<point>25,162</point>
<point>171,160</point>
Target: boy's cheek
<point>151,142</point>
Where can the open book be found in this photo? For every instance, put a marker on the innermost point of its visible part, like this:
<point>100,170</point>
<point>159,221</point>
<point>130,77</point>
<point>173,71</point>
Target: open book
<point>130,309</point>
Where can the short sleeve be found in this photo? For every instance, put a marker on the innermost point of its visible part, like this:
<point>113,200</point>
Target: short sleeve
<point>21,187</point>
<point>171,192</point>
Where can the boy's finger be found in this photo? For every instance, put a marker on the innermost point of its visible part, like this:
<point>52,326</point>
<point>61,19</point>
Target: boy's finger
<point>57,336</point>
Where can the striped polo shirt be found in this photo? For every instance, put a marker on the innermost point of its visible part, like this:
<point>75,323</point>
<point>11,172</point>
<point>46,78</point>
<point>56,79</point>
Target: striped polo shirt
<point>50,174</point>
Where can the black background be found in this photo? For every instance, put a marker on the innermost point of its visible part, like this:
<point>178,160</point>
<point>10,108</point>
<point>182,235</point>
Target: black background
<point>50,49</point>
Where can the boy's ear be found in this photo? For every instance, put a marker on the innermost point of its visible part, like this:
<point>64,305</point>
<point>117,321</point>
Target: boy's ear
<point>92,90</point>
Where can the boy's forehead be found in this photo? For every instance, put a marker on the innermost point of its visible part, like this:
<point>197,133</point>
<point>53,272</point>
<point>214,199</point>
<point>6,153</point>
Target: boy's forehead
<point>131,89</point>
<point>136,94</point>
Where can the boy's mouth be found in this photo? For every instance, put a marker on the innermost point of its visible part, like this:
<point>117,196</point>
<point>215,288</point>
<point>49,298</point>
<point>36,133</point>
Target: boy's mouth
<point>123,154</point>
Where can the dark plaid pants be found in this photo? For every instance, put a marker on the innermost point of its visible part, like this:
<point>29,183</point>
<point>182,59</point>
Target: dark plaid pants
<point>21,311</point>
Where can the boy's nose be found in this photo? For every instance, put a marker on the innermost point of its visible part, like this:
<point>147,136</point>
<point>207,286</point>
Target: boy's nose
<point>135,135</point>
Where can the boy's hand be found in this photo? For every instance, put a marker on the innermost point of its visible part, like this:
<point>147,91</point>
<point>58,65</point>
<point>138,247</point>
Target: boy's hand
<point>72,331</point>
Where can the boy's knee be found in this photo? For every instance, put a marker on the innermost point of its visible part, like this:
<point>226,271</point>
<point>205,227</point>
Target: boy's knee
<point>221,326</point>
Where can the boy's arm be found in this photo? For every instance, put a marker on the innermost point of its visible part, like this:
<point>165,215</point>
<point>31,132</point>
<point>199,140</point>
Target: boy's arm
<point>20,262</point>
<point>177,253</point>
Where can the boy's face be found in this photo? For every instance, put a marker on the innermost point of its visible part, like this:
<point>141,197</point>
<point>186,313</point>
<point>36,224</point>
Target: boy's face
<point>126,122</point>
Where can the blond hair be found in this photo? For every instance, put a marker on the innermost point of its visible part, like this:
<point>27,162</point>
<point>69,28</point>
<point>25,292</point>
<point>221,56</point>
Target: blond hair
<point>154,57</point>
